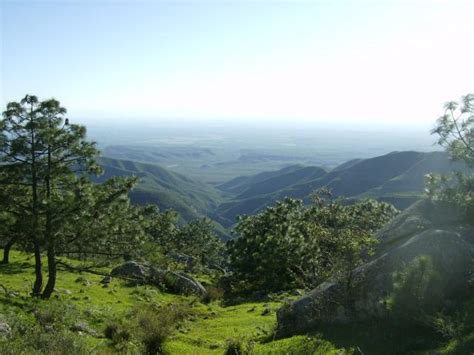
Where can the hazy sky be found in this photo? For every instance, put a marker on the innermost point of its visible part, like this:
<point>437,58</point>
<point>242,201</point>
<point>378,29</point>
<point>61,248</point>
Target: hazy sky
<point>358,61</point>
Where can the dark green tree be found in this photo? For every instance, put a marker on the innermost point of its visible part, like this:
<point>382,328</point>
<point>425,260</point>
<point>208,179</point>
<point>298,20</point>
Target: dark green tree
<point>198,239</point>
<point>12,229</point>
<point>49,160</point>
<point>21,152</point>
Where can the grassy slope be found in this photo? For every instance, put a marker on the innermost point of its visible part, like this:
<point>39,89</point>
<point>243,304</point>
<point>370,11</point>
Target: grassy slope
<point>212,325</point>
<point>206,333</point>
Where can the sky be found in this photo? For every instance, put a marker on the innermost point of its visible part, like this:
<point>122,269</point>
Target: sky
<point>359,62</point>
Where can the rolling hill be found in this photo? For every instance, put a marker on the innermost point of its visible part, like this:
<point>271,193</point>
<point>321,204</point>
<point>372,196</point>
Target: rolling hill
<point>169,190</point>
<point>396,177</point>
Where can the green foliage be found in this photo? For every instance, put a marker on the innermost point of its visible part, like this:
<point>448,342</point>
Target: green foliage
<point>238,346</point>
<point>36,342</point>
<point>292,245</point>
<point>197,238</point>
<point>449,326</point>
<point>417,287</point>
<point>45,163</point>
<point>195,241</point>
<point>155,324</point>
<point>44,331</point>
<point>167,189</point>
<point>55,315</point>
<point>455,130</point>
<point>301,345</point>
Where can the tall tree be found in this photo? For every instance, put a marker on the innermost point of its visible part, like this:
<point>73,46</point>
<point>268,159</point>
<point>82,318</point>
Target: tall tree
<point>46,155</point>
<point>21,150</point>
<point>12,214</point>
<point>455,130</point>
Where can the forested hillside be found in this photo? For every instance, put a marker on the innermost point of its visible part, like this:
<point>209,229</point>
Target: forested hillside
<point>164,188</point>
<point>398,178</point>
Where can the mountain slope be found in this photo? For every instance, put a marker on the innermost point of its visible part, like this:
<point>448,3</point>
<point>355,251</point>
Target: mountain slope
<point>157,185</point>
<point>397,178</point>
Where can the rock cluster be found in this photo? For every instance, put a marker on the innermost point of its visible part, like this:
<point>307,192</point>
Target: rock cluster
<point>422,231</point>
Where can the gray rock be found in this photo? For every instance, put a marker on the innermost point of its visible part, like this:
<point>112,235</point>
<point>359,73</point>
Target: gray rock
<point>448,247</point>
<point>5,330</point>
<point>131,269</point>
<point>180,283</point>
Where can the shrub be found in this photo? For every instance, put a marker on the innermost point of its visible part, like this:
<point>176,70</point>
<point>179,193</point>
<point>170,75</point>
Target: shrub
<point>448,326</point>
<point>238,346</point>
<point>416,290</point>
<point>55,314</point>
<point>212,294</point>
<point>291,245</point>
<point>155,324</point>
<point>29,337</point>
<point>117,332</point>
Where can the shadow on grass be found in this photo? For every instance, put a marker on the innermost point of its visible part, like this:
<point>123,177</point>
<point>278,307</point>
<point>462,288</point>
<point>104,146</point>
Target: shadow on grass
<point>21,302</point>
<point>14,268</point>
<point>381,338</point>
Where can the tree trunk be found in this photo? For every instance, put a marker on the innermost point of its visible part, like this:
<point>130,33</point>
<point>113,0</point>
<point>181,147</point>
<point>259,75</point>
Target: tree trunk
<point>38,285</point>
<point>52,270</point>
<point>6,250</point>
<point>49,289</point>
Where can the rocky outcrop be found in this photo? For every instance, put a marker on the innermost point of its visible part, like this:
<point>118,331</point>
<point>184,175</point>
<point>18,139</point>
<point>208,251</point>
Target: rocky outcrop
<point>424,237</point>
<point>176,282</point>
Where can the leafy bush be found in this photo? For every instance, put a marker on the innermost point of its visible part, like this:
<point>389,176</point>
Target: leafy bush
<point>30,337</point>
<point>416,289</point>
<point>448,326</point>
<point>117,332</point>
<point>292,245</point>
<point>55,314</point>
<point>238,346</point>
<point>155,324</point>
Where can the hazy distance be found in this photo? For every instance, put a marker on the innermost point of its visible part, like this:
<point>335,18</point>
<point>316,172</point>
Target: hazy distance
<point>354,63</point>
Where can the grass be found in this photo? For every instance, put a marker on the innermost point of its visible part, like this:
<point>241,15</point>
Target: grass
<point>208,328</point>
<point>205,332</point>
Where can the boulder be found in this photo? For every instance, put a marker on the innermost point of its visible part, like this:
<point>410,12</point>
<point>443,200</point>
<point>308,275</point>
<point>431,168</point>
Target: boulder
<point>438,247</point>
<point>131,269</point>
<point>180,283</point>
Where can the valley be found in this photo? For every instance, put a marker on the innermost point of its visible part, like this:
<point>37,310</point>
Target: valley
<point>397,178</point>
